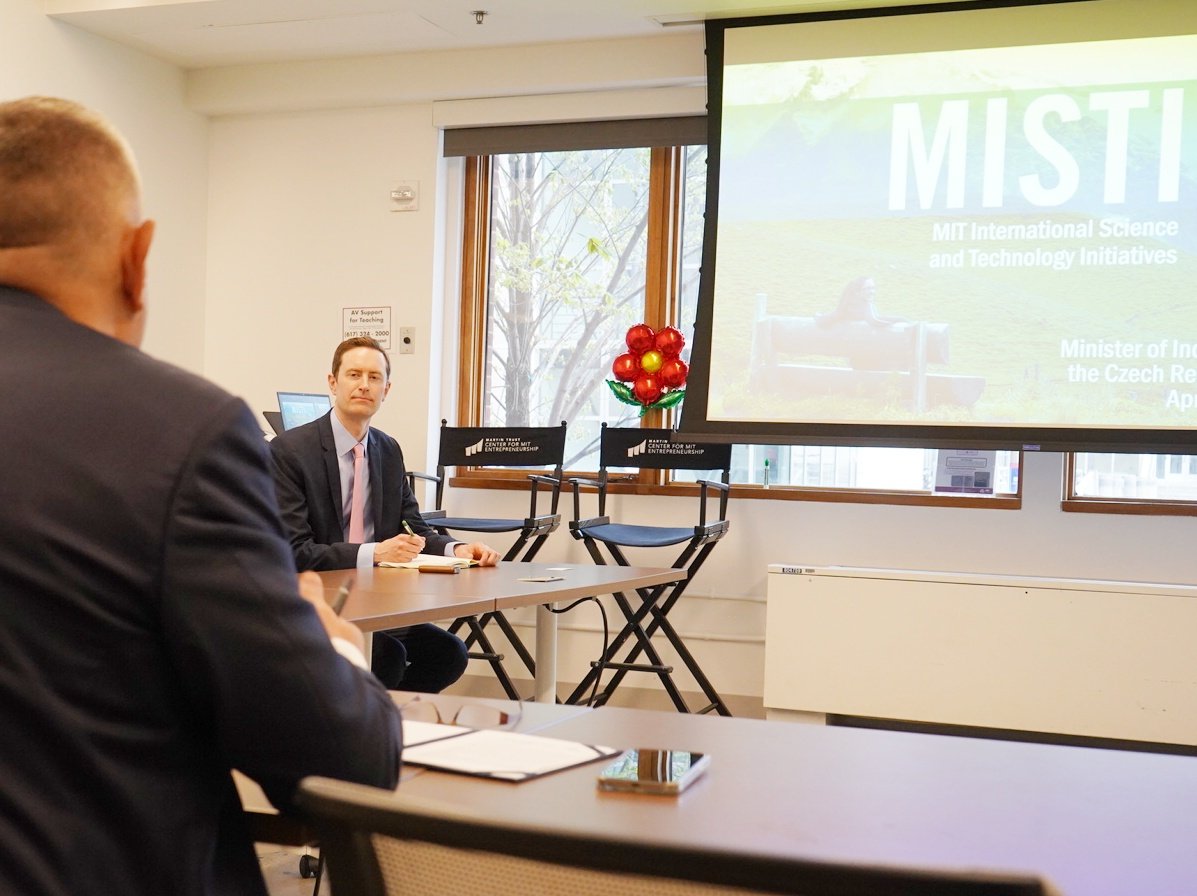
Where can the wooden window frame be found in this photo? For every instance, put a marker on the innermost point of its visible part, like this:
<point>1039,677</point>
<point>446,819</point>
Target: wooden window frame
<point>1074,503</point>
<point>666,194</point>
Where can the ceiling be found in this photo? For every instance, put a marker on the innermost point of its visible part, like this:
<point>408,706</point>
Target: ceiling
<point>208,33</point>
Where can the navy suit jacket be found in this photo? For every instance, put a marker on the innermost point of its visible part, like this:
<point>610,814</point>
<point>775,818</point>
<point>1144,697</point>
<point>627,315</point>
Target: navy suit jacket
<point>308,481</point>
<point>151,636</point>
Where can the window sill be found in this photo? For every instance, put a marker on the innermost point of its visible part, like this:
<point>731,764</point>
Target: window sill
<point>1140,507</point>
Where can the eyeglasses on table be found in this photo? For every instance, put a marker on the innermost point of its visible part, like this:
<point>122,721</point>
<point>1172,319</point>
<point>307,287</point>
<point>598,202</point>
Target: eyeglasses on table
<point>467,715</point>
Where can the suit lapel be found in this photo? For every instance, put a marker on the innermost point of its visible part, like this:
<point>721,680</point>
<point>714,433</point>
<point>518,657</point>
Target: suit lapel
<point>378,487</point>
<point>332,470</point>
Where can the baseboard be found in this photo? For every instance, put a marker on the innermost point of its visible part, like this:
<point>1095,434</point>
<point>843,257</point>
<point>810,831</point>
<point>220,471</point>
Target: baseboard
<point>1038,737</point>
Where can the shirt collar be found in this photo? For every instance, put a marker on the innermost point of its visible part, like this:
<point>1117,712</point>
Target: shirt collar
<point>343,440</point>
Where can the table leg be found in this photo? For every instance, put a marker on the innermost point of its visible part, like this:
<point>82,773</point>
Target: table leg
<point>546,654</point>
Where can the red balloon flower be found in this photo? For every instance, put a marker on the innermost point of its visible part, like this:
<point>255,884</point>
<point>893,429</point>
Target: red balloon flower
<point>673,373</point>
<point>640,338</point>
<point>652,366</point>
<point>669,341</point>
<point>647,388</point>
<point>626,367</point>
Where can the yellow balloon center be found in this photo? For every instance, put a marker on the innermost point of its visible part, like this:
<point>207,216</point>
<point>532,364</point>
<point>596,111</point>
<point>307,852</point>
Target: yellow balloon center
<point>651,361</point>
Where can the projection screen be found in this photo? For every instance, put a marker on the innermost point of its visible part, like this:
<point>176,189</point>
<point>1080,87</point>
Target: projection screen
<point>946,226</point>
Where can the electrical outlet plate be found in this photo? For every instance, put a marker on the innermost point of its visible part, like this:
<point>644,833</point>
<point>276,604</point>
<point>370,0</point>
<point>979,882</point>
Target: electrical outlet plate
<point>407,340</point>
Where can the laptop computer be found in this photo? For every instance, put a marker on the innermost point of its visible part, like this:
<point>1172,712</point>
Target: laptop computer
<point>297,408</point>
<point>275,419</point>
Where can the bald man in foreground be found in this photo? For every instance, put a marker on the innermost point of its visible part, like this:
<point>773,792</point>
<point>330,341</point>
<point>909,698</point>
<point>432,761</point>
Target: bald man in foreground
<point>152,634</point>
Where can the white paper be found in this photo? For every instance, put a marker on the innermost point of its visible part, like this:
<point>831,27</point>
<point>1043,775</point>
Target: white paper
<point>506,755</point>
<point>965,472</point>
<point>429,560</point>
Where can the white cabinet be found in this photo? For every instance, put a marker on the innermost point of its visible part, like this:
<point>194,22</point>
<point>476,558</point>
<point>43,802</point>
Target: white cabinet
<point>1066,656</point>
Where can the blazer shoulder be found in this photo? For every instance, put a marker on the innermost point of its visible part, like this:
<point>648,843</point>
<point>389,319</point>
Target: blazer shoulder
<point>384,439</point>
<point>305,438</point>
<point>386,446</point>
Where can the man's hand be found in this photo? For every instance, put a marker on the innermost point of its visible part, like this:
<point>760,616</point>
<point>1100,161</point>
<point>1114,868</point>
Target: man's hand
<point>486,556</point>
<point>399,549</point>
<point>311,589</point>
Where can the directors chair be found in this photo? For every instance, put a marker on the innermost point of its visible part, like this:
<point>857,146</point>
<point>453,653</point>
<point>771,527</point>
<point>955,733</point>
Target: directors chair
<point>385,843</point>
<point>506,447</point>
<point>651,449</point>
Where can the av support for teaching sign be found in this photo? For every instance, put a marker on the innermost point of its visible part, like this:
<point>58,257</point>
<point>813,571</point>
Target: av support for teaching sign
<point>374,322</point>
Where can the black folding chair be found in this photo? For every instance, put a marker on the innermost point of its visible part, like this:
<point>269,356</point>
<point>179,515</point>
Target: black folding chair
<point>651,448</point>
<point>493,446</point>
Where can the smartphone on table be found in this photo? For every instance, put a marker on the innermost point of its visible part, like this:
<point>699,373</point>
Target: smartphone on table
<point>645,770</point>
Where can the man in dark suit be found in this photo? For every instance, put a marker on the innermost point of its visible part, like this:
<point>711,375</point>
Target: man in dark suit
<point>317,477</point>
<point>152,636</point>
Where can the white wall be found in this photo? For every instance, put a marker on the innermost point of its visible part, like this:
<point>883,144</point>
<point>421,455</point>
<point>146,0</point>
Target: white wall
<point>144,99</point>
<point>289,187</point>
<point>300,218</point>
<point>300,227</point>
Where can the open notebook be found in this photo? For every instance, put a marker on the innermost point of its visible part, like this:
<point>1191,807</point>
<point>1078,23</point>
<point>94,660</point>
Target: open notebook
<point>432,560</point>
<point>487,753</point>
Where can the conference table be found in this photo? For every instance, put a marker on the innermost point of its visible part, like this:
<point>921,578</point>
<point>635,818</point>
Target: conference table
<point>1093,822</point>
<point>268,825</point>
<point>392,597</point>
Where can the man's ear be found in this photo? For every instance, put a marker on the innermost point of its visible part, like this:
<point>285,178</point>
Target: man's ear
<point>133,265</point>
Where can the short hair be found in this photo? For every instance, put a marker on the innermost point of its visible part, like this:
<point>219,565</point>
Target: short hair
<point>65,173</point>
<point>359,342</point>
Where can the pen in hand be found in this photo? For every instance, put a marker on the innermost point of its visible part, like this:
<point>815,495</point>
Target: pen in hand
<point>342,594</point>
<point>412,532</point>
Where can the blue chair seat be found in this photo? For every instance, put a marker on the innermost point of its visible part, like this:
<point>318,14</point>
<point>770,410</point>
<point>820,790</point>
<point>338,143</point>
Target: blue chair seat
<point>638,536</point>
<point>475,524</point>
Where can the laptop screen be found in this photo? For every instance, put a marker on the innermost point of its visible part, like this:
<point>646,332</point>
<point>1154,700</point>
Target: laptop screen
<point>302,407</point>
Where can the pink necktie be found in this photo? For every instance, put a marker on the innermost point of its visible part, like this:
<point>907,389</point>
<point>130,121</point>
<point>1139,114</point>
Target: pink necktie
<point>357,504</point>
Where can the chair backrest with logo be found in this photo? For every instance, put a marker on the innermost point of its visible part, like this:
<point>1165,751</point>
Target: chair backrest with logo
<point>655,449</point>
<point>500,446</point>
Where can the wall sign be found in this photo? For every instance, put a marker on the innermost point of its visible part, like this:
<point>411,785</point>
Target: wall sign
<point>965,472</point>
<point>374,322</point>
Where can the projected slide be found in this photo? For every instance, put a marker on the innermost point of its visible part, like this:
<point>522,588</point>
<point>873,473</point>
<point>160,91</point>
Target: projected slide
<point>994,236</point>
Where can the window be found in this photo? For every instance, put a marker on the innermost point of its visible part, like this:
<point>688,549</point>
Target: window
<point>1132,483</point>
<point>834,470</point>
<point>565,248</point>
<point>568,254</point>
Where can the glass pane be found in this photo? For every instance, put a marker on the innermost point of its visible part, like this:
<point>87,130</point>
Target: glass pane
<point>867,469</point>
<point>1160,477</point>
<point>567,275</point>
<point>694,192</point>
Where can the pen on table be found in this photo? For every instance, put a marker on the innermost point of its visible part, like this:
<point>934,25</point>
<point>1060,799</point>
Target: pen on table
<point>342,594</point>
